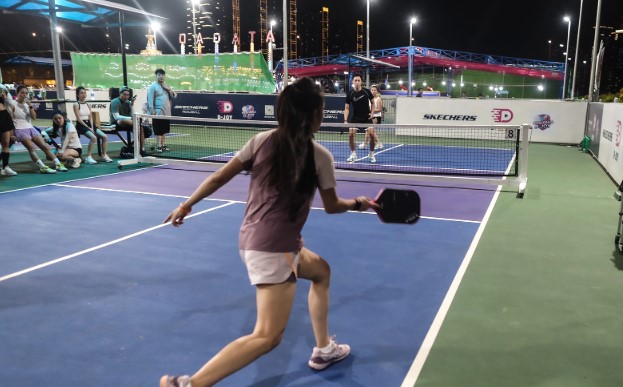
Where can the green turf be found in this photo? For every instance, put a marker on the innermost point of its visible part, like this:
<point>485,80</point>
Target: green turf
<point>29,175</point>
<point>540,304</point>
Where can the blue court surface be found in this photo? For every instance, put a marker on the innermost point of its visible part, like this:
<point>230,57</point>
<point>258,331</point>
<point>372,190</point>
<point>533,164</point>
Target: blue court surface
<point>413,158</point>
<point>96,291</point>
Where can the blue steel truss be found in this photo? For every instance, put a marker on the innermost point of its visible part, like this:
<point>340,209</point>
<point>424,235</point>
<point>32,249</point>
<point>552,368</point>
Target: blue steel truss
<point>426,52</point>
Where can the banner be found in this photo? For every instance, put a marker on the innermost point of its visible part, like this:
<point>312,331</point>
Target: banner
<point>246,72</point>
<point>244,106</point>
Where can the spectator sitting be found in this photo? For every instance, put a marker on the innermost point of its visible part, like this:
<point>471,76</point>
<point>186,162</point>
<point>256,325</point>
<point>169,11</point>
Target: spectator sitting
<point>23,113</point>
<point>7,129</point>
<point>71,148</point>
<point>121,112</point>
<point>85,127</point>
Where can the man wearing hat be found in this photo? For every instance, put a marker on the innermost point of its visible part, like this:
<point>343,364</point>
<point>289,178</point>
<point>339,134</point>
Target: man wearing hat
<point>121,112</point>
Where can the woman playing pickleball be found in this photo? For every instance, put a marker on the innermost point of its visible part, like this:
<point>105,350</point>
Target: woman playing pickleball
<point>287,166</point>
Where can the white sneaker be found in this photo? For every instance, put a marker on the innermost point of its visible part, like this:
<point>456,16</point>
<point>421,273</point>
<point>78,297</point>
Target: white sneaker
<point>7,171</point>
<point>175,381</point>
<point>372,158</point>
<point>90,160</point>
<point>379,146</point>
<point>76,163</point>
<point>362,145</point>
<point>319,360</point>
<point>47,170</point>
<point>352,158</point>
<point>107,159</point>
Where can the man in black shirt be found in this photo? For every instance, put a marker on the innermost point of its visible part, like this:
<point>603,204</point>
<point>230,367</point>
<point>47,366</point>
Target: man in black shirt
<point>360,98</point>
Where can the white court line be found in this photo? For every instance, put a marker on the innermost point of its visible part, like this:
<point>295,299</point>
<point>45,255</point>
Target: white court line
<point>376,153</point>
<point>74,255</point>
<point>421,217</point>
<point>142,193</point>
<point>72,180</point>
<point>427,343</point>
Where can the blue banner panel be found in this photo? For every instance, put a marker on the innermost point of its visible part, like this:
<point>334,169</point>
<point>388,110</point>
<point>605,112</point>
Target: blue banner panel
<point>237,106</point>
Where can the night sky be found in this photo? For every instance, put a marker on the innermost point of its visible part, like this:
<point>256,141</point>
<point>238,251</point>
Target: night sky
<point>501,28</point>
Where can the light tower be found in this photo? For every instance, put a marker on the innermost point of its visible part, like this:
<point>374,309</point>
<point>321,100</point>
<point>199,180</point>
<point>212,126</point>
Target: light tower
<point>325,32</point>
<point>235,4</point>
<point>263,23</point>
<point>359,36</point>
<point>293,41</point>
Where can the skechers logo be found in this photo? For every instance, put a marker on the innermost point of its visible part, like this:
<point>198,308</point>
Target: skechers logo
<point>449,117</point>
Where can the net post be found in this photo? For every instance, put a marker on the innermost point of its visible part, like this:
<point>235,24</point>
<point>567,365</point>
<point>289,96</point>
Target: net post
<point>136,133</point>
<point>523,159</point>
<point>136,137</point>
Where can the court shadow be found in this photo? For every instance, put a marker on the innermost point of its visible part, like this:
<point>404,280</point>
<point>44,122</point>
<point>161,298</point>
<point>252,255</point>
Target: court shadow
<point>305,376</point>
<point>380,293</point>
<point>617,259</point>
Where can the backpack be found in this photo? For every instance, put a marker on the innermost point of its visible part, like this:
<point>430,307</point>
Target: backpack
<point>127,152</point>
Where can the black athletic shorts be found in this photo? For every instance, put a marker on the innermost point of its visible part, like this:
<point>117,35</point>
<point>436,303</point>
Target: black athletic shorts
<point>161,127</point>
<point>361,120</point>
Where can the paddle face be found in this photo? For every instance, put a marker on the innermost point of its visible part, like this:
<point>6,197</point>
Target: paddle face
<point>398,206</point>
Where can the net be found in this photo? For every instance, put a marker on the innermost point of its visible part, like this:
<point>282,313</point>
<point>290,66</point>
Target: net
<point>474,152</point>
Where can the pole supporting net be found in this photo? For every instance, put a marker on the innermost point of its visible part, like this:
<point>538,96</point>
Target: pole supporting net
<point>488,154</point>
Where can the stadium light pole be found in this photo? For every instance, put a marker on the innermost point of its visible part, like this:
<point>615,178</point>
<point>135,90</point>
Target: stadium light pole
<point>59,30</point>
<point>368,43</point>
<point>270,47</point>
<point>575,56</point>
<point>564,81</point>
<point>592,88</point>
<point>410,86</point>
<point>194,11</point>
<point>155,27</point>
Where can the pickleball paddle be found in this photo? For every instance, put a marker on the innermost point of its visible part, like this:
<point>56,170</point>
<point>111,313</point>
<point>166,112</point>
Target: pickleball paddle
<point>401,206</point>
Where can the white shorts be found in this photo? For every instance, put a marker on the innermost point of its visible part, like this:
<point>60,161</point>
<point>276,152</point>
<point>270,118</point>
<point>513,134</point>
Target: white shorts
<point>268,267</point>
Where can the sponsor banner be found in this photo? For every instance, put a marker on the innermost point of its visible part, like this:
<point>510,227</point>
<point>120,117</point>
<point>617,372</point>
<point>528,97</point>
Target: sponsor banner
<point>593,126</point>
<point>610,138</point>
<point>552,121</point>
<point>225,106</point>
<point>251,107</point>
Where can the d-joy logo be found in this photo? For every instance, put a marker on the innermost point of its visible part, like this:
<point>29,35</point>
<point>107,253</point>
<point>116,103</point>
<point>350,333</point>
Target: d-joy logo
<point>502,115</point>
<point>225,107</point>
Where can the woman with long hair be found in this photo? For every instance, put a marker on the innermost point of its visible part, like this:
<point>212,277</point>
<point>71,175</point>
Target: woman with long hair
<point>25,132</point>
<point>287,166</point>
<point>7,129</point>
<point>71,148</point>
<point>376,113</point>
<point>86,128</point>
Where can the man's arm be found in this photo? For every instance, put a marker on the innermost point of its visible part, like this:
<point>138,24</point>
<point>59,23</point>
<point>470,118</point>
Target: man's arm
<point>346,112</point>
<point>169,90</point>
<point>114,111</point>
<point>150,99</point>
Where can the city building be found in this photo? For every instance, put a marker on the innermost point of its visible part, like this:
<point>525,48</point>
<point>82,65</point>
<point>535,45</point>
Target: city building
<point>204,18</point>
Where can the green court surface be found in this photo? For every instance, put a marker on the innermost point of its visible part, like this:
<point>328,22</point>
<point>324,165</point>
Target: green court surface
<point>29,175</point>
<point>540,303</point>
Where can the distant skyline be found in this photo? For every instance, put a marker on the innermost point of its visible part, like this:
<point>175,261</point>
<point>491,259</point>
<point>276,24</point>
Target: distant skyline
<point>484,27</point>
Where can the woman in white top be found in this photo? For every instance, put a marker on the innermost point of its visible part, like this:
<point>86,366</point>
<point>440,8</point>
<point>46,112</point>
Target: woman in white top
<point>23,114</point>
<point>376,113</point>
<point>71,148</point>
<point>85,127</point>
